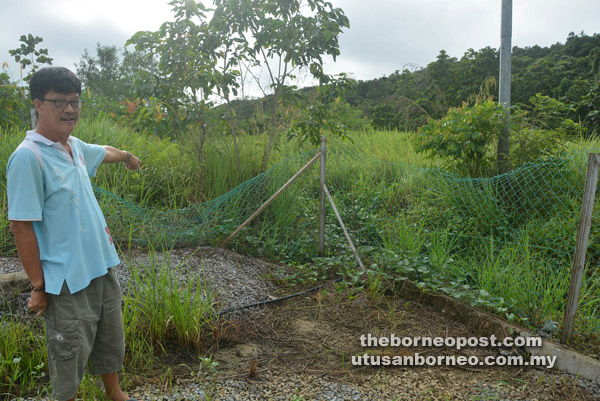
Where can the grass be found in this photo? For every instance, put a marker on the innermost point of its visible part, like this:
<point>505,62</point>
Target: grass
<point>158,312</point>
<point>6,238</point>
<point>509,246</point>
<point>23,360</point>
<point>503,247</point>
<point>166,307</point>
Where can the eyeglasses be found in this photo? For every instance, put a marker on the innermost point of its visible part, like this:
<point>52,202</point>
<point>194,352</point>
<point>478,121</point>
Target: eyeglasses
<point>62,103</point>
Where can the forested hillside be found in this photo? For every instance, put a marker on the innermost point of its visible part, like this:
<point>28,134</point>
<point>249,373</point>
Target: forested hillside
<point>144,91</point>
<point>567,72</point>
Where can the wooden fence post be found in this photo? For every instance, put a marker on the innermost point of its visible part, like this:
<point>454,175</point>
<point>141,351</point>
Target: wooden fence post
<point>583,234</point>
<point>346,234</point>
<point>268,201</point>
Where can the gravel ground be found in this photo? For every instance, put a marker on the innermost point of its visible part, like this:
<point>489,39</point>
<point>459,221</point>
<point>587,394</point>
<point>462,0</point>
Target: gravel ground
<point>284,351</point>
<point>237,280</point>
<point>10,265</point>
<point>408,385</point>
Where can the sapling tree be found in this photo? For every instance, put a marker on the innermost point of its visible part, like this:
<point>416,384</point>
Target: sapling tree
<point>27,55</point>
<point>283,37</point>
<point>229,50</point>
<point>464,136</point>
<point>320,112</point>
<point>184,79</point>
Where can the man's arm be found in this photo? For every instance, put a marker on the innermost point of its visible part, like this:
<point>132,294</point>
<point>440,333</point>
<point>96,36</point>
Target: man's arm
<point>29,253</point>
<point>114,155</point>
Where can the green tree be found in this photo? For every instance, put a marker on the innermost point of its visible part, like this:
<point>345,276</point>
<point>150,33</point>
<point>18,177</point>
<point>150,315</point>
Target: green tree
<point>229,49</point>
<point>284,36</point>
<point>590,109</point>
<point>551,114</point>
<point>465,136</point>
<point>107,78</point>
<point>320,113</point>
<point>111,72</point>
<point>443,72</point>
<point>474,69</point>
<point>27,55</point>
<point>178,90</point>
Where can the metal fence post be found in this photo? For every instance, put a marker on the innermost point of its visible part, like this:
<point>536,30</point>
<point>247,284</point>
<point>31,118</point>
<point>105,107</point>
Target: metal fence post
<point>322,197</point>
<point>504,92</point>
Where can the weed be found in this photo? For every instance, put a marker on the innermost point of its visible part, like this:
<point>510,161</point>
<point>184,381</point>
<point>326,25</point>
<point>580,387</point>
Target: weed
<point>169,309</point>
<point>207,366</point>
<point>23,357</point>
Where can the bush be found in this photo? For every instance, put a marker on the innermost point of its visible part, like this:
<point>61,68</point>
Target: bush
<point>465,137</point>
<point>14,106</point>
<point>550,114</point>
<point>590,108</point>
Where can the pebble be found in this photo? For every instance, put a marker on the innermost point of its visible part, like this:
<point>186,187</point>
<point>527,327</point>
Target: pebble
<point>237,280</point>
<point>397,385</point>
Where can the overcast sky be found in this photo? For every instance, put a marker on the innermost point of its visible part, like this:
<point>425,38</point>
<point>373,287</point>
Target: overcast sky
<point>384,35</point>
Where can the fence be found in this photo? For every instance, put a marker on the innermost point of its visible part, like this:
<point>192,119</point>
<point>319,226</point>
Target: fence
<point>508,239</point>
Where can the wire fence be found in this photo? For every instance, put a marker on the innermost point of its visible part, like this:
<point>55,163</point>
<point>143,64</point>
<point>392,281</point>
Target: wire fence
<point>509,237</point>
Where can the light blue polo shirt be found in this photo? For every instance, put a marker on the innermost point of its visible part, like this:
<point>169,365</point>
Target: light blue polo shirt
<point>47,186</point>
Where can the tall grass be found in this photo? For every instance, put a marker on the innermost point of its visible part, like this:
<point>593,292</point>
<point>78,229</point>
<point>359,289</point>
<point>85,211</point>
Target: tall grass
<point>168,179</point>
<point>7,246</point>
<point>23,359</point>
<point>9,140</point>
<point>385,145</point>
<point>158,310</point>
<point>163,307</point>
<point>403,236</point>
<point>516,273</point>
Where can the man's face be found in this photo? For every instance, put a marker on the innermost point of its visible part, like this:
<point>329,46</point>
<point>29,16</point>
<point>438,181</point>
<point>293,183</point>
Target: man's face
<point>55,121</point>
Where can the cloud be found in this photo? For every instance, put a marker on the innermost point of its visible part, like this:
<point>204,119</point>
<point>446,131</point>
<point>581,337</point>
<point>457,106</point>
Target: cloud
<point>384,35</point>
<point>68,27</point>
<point>549,22</point>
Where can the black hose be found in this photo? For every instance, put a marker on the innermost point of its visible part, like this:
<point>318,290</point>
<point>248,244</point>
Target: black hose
<point>269,301</point>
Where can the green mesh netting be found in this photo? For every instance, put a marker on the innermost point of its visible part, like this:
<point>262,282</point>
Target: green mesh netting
<point>201,224</point>
<point>512,236</point>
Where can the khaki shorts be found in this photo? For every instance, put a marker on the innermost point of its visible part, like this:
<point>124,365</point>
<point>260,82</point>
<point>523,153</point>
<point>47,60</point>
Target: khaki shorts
<point>85,328</point>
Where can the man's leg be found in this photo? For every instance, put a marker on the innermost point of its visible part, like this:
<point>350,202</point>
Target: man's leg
<point>112,387</point>
<point>106,358</point>
<point>67,350</point>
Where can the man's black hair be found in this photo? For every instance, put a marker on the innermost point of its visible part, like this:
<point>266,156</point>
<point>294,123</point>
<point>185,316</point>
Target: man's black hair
<point>57,79</point>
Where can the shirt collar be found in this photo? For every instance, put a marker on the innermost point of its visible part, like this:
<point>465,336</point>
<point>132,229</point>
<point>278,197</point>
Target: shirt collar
<point>36,137</point>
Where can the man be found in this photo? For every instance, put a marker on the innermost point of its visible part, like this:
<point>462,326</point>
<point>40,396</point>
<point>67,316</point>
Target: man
<point>63,241</point>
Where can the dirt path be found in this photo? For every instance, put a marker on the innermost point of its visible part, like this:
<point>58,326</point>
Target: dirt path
<point>315,337</point>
